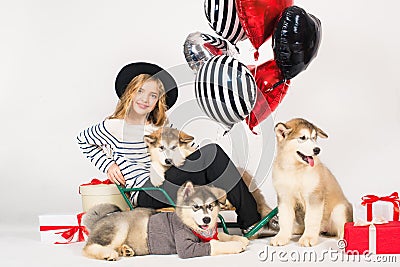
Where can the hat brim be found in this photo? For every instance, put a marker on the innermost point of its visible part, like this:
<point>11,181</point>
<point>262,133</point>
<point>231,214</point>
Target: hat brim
<point>130,71</point>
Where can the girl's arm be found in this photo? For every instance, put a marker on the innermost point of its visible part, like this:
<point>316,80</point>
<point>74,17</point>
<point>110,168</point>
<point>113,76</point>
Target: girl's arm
<point>95,145</point>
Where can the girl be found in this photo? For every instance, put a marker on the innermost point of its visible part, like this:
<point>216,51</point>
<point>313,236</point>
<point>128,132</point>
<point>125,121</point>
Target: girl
<point>116,145</point>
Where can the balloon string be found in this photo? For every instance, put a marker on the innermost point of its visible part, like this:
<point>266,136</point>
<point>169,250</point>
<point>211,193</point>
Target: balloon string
<point>276,85</point>
<point>280,97</point>
<point>219,135</point>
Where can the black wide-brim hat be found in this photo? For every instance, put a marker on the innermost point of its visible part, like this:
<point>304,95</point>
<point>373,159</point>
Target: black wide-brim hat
<point>130,71</point>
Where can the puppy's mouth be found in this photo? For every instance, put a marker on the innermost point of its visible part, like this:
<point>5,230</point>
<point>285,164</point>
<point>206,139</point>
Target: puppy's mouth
<point>204,226</point>
<point>308,159</point>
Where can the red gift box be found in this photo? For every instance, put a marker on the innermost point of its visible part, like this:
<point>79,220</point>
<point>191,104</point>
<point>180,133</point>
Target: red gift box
<point>376,235</point>
<point>387,238</point>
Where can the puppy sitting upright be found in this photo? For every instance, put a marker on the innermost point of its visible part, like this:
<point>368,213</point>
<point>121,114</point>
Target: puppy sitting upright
<point>167,147</point>
<point>307,191</point>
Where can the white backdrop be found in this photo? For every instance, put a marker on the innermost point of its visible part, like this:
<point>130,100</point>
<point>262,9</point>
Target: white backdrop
<point>59,59</point>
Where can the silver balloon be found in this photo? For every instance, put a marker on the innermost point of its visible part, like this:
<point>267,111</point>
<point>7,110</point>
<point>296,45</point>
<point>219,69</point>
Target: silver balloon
<point>199,48</point>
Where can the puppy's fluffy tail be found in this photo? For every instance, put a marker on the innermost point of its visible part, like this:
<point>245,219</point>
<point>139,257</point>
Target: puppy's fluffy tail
<point>98,212</point>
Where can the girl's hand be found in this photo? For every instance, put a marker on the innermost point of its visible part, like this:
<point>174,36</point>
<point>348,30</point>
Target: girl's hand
<point>115,175</point>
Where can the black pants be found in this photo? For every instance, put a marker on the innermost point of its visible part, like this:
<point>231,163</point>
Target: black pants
<point>208,165</point>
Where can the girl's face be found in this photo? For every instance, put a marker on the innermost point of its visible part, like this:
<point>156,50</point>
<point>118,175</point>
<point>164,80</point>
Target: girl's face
<point>145,99</point>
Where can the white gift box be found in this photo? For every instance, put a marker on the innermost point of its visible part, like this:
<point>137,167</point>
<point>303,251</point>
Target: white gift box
<point>382,210</point>
<point>62,229</point>
<point>101,193</point>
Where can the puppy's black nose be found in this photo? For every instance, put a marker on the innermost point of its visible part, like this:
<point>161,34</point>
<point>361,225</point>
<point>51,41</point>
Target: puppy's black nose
<point>316,150</point>
<point>206,220</point>
<point>168,161</point>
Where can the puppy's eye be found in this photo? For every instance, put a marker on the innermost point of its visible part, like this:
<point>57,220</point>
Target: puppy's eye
<point>173,148</point>
<point>302,139</point>
<point>195,207</point>
<point>162,147</point>
<point>210,206</point>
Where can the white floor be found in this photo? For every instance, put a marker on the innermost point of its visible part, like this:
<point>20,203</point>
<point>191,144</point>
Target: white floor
<point>22,247</point>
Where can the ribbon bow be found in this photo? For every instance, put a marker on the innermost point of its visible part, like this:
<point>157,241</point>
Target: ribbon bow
<point>70,232</point>
<point>96,181</point>
<point>368,200</point>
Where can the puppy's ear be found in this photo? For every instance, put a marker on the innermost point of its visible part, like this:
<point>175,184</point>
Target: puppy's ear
<point>321,133</point>
<point>150,139</point>
<point>186,190</point>
<point>219,193</point>
<point>282,131</point>
<point>185,138</point>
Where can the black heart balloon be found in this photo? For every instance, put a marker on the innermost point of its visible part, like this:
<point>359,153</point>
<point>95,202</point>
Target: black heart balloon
<point>295,40</point>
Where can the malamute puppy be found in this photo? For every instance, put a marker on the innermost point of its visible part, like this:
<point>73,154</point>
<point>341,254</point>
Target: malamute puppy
<point>190,231</point>
<point>307,191</point>
<point>167,147</point>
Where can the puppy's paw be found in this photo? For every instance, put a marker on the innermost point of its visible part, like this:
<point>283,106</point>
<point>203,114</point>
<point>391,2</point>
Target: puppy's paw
<point>308,241</point>
<point>237,247</point>
<point>244,241</point>
<point>157,179</point>
<point>279,240</point>
<point>125,251</point>
<point>228,247</point>
<point>241,239</point>
<point>113,256</point>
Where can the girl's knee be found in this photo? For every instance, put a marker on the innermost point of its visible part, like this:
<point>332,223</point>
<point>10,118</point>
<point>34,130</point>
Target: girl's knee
<point>213,146</point>
<point>215,153</point>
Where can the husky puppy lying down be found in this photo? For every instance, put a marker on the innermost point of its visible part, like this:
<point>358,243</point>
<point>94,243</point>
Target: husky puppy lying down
<point>190,231</point>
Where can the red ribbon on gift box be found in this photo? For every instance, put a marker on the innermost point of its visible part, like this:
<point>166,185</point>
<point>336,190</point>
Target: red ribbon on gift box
<point>96,181</point>
<point>70,232</point>
<point>368,200</point>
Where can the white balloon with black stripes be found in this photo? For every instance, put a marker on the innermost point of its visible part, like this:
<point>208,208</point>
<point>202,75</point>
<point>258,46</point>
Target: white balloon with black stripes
<point>225,90</point>
<point>223,19</point>
<point>200,47</point>
<point>225,47</point>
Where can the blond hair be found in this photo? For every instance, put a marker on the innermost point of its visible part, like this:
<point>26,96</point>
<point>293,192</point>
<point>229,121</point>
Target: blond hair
<point>157,116</point>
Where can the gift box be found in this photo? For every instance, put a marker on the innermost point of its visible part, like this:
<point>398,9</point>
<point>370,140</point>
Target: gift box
<point>382,210</point>
<point>97,192</point>
<point>376,234</point>
<point>361,238</point>
<point>62,229</point>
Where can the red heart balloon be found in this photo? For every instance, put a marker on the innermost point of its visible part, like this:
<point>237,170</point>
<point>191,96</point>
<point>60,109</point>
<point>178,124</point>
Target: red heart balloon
<point>258,18</point>
<point>271,89</point>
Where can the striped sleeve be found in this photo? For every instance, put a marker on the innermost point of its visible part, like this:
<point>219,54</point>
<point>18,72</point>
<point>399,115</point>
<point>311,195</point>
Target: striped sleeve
<point>95,145</point>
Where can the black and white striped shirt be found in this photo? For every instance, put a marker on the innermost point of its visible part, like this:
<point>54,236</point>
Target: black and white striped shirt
<point>113,140</point>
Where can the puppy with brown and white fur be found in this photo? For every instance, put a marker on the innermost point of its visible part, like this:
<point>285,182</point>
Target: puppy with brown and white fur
<point>190,231</point>
<point>167,147</point>
<point>307,191</point>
